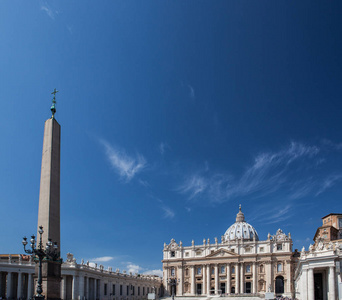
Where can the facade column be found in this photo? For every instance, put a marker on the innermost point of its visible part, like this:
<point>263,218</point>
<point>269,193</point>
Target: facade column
<point>331,284</point>
<point>269,282</point>
<point>289,277</point>
<point>242,279</point>
<point>193,288</point>
<point>216,279</point>
<point>29,286</point>
<point>311,288</point>
<point>74,287</point>
<point>166,277</point>
<point>81,287</point>
<point>180,285</point>
<point>228,279</point>
<point>9,285</point>
<point>19,287</point>
<point>255,284</point>
<point>204,274</point>
<point>237,283</point>
<point>208,280</point>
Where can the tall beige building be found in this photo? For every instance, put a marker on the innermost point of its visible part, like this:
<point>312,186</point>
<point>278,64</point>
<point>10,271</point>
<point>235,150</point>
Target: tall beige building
<point>238,264</point>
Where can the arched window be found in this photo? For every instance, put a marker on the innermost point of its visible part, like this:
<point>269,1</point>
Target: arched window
<point>262,269</point>
<point>279,285</point>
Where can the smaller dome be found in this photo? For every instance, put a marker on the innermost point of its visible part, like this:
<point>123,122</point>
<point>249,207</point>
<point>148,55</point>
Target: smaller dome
<point>241,229</point>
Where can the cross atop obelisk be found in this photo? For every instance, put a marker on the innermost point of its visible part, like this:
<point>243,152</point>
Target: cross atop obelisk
<point>53,106</point>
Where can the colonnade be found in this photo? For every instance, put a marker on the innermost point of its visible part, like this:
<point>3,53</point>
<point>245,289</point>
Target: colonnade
<point>91,288</point>
<point>16,285</point>
<point>328,281</point>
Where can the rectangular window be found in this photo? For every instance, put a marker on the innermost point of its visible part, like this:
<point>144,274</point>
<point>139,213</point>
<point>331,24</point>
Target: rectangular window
<point>187,254</point>
<point>233,270</point>
<point>340,223</point>
<point>143,291</point>
<point>120,289</point>
<point>222,269</point>
<point>279,247</point>
<point>232,250</point>
<point>127,290</point>
<point>212,271</point>
<point>248,268</point>
<point>114,289</point>
<point>105,289</point>
<point>138,290</point>
<point>173,254</point>
<point>148,290</point>
<point>199,270</point>
<point>279,267</point>
<point>248,249</point>
<point>173,272</point>
<point>262,249</point>
<point>133,290</point>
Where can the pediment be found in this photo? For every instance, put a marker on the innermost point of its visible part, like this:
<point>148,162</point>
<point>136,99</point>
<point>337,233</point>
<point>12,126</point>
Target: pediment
<point>222,253</point>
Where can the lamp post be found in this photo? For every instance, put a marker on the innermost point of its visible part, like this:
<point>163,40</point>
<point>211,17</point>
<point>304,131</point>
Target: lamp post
<point>49,252</point>
<point>173,283</point>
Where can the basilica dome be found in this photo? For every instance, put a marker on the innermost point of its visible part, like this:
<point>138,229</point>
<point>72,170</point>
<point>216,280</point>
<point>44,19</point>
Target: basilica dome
<point>241,229</point>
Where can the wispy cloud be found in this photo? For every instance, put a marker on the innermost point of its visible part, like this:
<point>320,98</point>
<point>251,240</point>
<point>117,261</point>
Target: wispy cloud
<point>127,167</point>
<point>154,272</point>
<point>162,147</point>
<point>132,268</point>
<point>191,91</point>
<point>168,212</point>
<point>48,10</point>
<point>102,259</point>
<point>285,170</point>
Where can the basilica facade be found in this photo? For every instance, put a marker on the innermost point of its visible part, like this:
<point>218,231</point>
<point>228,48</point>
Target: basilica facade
<point>238,264</point>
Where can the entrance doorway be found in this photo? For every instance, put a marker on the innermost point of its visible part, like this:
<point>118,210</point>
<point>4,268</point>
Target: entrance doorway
<point>279,285</point>
<point>318,283</point>
<point>223,288</point>
<point>199,289</point>
<point>248,287</point>
<point>232,290</point>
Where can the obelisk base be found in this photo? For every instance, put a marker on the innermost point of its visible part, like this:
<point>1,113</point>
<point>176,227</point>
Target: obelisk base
<point>51,280</point>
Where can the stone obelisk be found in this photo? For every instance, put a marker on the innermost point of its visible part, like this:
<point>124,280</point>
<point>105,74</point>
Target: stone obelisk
<point>49,201</point>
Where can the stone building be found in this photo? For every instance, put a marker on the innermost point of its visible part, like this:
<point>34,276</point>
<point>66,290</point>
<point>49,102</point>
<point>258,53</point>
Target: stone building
<point>78,281</point>
<point>239,264</point>
<point>318,273</point>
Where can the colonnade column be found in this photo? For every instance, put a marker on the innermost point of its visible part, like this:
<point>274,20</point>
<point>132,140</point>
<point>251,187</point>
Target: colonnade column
<point>166,277</point>
<point>87,288</point>
<point>29,286</point>
<point>95,288</point>
<point>193,289</point>
<point>204,280</point>
<point>208,280</point>
<point>237,283</point>
<point>228,279</point>
<point>304,288</point>
<point>216,279</point>
<point>311,288</point>
<point>242,275</point>
<point>74,290</point>
<point>19,287</point>
<point>64,287</point>
<point>81,287</point>
<point>9,285</point>
<point>255,284</point>
<point>331,283</point>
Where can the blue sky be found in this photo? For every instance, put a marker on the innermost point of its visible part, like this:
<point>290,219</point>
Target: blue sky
<point>173,113</point>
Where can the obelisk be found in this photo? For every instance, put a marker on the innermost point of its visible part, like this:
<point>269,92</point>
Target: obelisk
<point>49,201</point>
